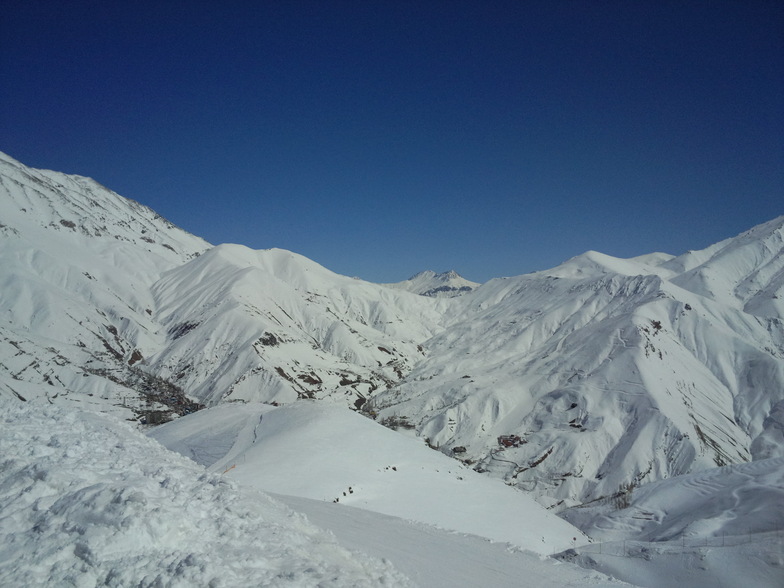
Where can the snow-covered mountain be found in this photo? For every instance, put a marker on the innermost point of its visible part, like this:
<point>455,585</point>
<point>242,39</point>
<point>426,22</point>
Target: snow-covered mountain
<point>78,313</point>
<point>611,372</point>
<point>274,326</point>
<point>429,283</point>
<point>575,385</point>
<point>110,304</point>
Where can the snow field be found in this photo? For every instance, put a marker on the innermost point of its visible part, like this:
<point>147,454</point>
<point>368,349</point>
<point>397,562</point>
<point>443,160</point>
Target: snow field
<point>328,453</point>
<point>89,501</point>
<point>437,558</point>
<point>720,527</point>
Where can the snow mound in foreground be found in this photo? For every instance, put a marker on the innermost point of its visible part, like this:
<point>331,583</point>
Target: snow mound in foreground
<point>87,500</point>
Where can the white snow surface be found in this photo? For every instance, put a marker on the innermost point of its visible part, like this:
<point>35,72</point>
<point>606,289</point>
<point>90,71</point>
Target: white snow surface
<point>330,453</point>
<point>89,501</point>
<point>722,527</point>
<point>429,283</point>
<point>435,558</point>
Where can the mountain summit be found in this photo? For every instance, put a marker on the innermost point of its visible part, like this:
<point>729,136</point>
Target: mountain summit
<point>429,283</point>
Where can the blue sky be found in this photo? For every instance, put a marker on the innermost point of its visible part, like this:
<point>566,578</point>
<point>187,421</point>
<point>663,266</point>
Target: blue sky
<point>384,138</point>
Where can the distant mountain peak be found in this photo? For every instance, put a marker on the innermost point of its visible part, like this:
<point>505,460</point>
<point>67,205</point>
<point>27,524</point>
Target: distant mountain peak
<point>448,284</point>
<point>448,275</point>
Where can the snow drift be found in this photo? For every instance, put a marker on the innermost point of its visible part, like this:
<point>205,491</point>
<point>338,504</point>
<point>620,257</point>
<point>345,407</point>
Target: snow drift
<point>89,501</point>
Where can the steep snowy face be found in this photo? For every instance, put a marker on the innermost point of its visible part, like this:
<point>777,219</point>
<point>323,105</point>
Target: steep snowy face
<point>78,262</point>
<point>428,283</point>
<point>746,272</point>
<point>109,304</point>
<point>274,326</point>
<point>602,373</point>
<point>57,208</point>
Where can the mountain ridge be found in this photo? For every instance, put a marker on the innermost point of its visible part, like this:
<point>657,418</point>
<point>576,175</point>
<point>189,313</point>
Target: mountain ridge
<point>611,372</point>
<point>447,284</point>
<point>595,388</point>
<point>542,355</point>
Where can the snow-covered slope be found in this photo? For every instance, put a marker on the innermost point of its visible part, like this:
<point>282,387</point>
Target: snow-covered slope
<point>89,501</point>
<point>78,262</point>
<point>611,372</point>
<point>724,527</point>
<point>111,305</point>
<point>329,453</point>
<point>274,326</point>
<point>746,272</point>
<point>437,558</point>
<point>429,283</point>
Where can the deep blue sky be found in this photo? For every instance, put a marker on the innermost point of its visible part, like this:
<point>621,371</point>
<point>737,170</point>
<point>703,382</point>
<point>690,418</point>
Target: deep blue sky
<point>384,138</point>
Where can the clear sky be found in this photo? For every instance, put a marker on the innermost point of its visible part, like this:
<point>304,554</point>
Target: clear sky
<point>384,138</point>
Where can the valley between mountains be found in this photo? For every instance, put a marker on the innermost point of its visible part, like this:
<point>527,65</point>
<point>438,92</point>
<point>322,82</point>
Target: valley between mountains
<point>574,391</point>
